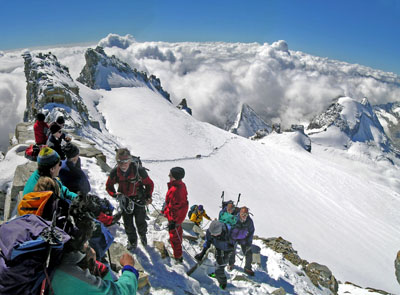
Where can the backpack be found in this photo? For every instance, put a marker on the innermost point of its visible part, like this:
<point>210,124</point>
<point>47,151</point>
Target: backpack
<point>99,205</point>
<point>32,152</point>
<point>34,203</point>
<point>192,209</point>
<point>30,249</point>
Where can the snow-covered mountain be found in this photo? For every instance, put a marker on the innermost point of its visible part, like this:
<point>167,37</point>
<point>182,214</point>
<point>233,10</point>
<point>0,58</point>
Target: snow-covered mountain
<point>389,117</point>
<point>247,122</point>
<point>104,72</point>
<point>346,122</point>
<point>337,205</point>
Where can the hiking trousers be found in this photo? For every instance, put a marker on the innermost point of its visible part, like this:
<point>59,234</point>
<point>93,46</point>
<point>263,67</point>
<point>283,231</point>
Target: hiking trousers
<point>248,254</point>
<point>222,258</point>
<point>139,213</point>
<point>175,238</point>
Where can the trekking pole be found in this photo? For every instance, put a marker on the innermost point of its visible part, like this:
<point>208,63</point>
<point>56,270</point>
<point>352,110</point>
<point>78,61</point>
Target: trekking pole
<point>238,200</point>
<point>205,224</point>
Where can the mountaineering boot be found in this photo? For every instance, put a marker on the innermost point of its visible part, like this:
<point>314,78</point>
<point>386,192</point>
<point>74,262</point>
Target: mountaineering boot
<point>179,260</point>
<point>222,286</point>
<point>249,271</point>
<point>212,275</point>
<point>132,246</point>
<point>143,239</point>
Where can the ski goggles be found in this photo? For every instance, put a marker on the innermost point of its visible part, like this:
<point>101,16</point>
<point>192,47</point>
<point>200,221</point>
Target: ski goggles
<point>123,161</point>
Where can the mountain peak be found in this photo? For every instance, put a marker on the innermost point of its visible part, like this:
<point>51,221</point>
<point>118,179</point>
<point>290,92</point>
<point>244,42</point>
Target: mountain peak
<point>104,72</point>
<point>248,122</point>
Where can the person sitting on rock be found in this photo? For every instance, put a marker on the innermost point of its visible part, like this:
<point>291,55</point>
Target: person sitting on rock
<point>71,174</point>
<point>49,164</point>
<point>218,234</point>
<point>242,233</point>
<point>60,121</point>
<point>40,129</point>
<point>55,140</point>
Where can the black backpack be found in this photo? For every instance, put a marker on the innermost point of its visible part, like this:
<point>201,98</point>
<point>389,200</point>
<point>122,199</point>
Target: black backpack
<point>192,209</point>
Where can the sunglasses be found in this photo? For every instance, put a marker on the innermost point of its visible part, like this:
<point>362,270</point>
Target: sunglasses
<point>123,161</point>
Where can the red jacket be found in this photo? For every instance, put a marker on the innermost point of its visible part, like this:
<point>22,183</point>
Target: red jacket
<point>128,183</point>
<point>40,128</point>
<point>176,203</point>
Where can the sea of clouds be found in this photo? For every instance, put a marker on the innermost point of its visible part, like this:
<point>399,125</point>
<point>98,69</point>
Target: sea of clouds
<point>281,85</point>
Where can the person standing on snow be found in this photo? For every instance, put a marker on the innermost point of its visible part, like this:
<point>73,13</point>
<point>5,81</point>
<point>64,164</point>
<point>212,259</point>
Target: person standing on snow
<point>175,209</point>
<point>242,233</point>
<point>134,185</point>
<point>218,234</point>
<point>198,214</point>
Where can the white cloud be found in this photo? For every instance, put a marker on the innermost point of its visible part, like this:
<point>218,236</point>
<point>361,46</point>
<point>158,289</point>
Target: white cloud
<point>117,41</point>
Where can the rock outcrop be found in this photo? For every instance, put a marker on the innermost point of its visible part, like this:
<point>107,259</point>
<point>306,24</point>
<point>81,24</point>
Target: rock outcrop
<point>50,89</point>
<point>184,107</point>
<point>320,275</point>
<point>104,72</point>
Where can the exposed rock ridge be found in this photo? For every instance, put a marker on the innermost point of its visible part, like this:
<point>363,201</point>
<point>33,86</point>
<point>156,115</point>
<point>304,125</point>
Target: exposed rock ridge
<point>104,72</point>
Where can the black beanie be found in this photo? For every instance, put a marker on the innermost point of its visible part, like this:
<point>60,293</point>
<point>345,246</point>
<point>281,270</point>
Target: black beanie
<point>54,128</point>
<point>60,120</point>
<point>40,117</point>
<point>177,173</point>
<point>71,150</point>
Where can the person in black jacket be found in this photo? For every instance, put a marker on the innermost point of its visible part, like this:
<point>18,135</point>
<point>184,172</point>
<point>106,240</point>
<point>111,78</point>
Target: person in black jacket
<point>71,173</point>
<point>54,141</point>
<point>218,234</point>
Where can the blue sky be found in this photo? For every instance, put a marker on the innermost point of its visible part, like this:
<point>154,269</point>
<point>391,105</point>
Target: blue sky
<point>357,31</point>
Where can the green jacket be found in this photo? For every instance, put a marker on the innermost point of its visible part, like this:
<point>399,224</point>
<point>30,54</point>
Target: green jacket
<point>71,279</point>
<point>65,193</point>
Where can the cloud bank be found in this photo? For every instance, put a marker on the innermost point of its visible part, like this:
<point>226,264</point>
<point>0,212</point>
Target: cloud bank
<point>281,85</point>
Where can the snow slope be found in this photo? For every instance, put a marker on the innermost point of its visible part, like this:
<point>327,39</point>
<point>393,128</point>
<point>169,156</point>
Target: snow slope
<point>337,208</point>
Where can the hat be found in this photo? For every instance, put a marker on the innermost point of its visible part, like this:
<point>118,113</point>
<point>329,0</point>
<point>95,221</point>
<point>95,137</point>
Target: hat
<point>40,117</point>
<point>71,150</point>
<point>54,128</point>
<point>215,228</point>
<point>177,173</point>
<point>48,157</point>
<point>60,120</point>
<point>200,207</point>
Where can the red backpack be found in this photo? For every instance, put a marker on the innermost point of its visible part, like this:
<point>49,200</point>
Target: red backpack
<point>32,151</point>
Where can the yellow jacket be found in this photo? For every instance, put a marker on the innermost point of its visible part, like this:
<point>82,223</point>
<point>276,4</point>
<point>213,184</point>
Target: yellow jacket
<point>197,216</point>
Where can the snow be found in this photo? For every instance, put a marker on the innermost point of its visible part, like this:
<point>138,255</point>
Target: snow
<point>339,207</point>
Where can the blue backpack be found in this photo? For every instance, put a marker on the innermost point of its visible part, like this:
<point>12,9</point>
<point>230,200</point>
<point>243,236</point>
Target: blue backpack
<point>30,249</point>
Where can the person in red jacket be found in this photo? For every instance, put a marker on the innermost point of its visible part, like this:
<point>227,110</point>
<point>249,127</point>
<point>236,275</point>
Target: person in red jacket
<point>134,186</point>
<point>40,128</point>
<point>175,209</point>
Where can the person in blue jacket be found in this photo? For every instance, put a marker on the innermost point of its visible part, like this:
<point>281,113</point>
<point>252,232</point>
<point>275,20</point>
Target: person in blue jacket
<point>49,164</point>
<point>242,233</point>
<point>71,174</point>
<point>218,234</point>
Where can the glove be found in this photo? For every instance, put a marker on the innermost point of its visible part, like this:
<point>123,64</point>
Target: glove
<point>149,201</point>
<point>116,217</point>
<point>171,225</point>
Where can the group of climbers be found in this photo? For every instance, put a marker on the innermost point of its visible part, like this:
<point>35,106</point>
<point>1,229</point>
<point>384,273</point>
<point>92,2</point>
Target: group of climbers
<point>59,172</point>
<point>234,227</point>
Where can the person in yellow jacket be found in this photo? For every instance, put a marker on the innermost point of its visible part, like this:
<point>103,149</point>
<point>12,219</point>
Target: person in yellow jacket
<point>197,217</point>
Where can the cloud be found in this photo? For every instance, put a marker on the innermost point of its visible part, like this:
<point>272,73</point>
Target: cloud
<point>118,41</point>
<point>281,85</point>
<point>12,105</point>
